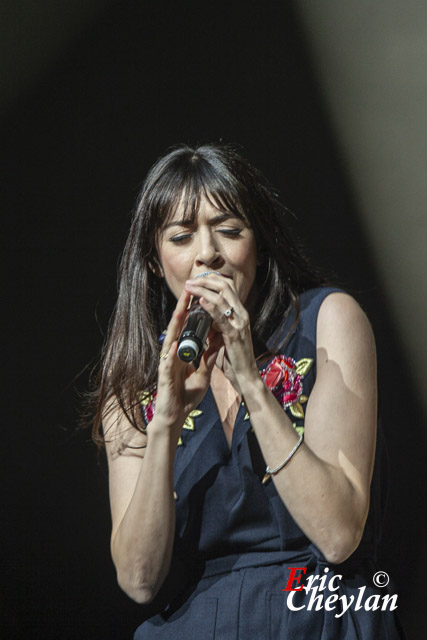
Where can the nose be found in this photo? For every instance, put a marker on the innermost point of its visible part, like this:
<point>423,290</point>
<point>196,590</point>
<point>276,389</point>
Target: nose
<point>208,251</point>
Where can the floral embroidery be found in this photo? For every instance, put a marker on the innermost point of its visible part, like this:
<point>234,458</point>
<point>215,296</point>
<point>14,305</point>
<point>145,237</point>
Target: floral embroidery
<point>281,377</point>
<point>189,421</point>
<point>296,409</point>
<point>303,366</point>
<point>148,405</point>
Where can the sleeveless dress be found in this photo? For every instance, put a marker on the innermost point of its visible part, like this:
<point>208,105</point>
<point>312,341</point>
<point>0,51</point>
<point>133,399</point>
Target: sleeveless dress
<point>236,542</point>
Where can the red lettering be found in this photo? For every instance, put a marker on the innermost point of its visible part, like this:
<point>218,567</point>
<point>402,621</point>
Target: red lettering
<point>294,578</point>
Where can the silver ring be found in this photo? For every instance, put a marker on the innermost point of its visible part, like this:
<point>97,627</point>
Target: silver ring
<point>228,312</point>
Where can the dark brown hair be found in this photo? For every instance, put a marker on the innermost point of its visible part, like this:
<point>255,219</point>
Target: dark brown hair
<point>129,362</point>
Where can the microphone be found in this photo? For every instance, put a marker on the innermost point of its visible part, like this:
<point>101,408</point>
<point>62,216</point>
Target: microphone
<point>192,340</point>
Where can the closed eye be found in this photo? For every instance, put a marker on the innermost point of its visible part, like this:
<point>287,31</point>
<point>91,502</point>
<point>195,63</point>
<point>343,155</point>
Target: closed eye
<point>186,236</point>
<point>180,238</point>
<point>230,232</point>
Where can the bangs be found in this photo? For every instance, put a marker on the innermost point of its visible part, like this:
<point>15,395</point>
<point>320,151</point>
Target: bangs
<point>181,189</point>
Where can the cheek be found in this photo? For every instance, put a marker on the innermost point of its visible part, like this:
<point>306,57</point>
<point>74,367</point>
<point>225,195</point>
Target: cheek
<point>175,269</point>
<point>170,259</point>
<point>168,263</point>
<point>244,254</point>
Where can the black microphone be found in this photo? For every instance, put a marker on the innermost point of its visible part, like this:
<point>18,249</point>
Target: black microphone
<point>192,340</point>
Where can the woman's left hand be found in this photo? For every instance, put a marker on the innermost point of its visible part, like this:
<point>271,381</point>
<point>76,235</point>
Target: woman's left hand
<point>217,294</point>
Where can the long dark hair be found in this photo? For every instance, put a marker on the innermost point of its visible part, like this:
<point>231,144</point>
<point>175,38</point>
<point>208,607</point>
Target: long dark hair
<point>129,363</point>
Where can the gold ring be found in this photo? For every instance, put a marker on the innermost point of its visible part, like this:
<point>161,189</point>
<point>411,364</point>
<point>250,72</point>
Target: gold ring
<point>163,356</point>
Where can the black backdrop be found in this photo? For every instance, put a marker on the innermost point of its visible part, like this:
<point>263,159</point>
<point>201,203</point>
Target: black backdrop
<point>74,152</point>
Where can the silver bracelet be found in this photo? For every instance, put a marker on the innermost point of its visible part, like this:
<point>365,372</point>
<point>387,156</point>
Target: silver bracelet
<point>271,472</point>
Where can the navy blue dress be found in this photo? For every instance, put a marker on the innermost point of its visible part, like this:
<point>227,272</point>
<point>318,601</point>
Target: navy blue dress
<point>236,542</point>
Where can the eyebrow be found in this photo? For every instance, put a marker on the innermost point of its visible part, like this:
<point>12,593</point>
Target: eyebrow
<point>217,219</point>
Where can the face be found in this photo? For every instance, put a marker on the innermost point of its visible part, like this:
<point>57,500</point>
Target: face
<point>216,241</point>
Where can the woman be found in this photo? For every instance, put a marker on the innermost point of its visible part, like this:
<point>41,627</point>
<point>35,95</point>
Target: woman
<point>235,483</point>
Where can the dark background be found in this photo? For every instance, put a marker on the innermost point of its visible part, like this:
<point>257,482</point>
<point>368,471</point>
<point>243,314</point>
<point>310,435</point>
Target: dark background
<point>74,151</point>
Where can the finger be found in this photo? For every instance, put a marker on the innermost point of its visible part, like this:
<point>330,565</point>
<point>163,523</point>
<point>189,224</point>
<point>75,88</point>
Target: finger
<point>208,283</point>
<point>219,301</point>
<point>177,321</point>
<point>222,286</point>
<point>209,356</point>
<point>215,282</point>
<point>228,316</point>
<point>211,284</point>
<point>168,364</point>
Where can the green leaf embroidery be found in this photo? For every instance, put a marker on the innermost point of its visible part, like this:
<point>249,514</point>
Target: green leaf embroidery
<point>303,366</point>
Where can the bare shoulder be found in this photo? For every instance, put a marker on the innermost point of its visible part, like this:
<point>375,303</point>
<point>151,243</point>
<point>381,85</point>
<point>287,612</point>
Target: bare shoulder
<point>342,319</point>
<point>344,335</point>
<point>121,437</point>
<point>341,309</point>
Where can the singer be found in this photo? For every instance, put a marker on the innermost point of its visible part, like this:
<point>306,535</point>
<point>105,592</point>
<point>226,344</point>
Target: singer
<point>228,473</point>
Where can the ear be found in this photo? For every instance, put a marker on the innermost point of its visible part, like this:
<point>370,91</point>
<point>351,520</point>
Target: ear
<point>156,268</point>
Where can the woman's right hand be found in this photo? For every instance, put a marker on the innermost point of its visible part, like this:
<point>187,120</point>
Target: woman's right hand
<point>181,387</point>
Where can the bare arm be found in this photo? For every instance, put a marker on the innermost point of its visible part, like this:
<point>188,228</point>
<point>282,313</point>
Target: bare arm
<point>141,479</point>
<point>142,504</point>
<point>326,485</point>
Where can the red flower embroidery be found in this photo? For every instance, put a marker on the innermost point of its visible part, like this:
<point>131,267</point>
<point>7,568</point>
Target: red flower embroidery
<point>281,377</point>
<point>148,404</point>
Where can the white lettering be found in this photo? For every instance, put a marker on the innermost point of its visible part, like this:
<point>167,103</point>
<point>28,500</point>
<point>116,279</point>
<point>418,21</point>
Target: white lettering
<point>359,598</point>
<point>387,599</point>
<point>375,605</point>
<point>330,586</point>
<point>346,605</point>
<point>323,579</point>
<point>329,600</point>
<point>309,584</point>
<point>290,603</point>
<point>315,599</point>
